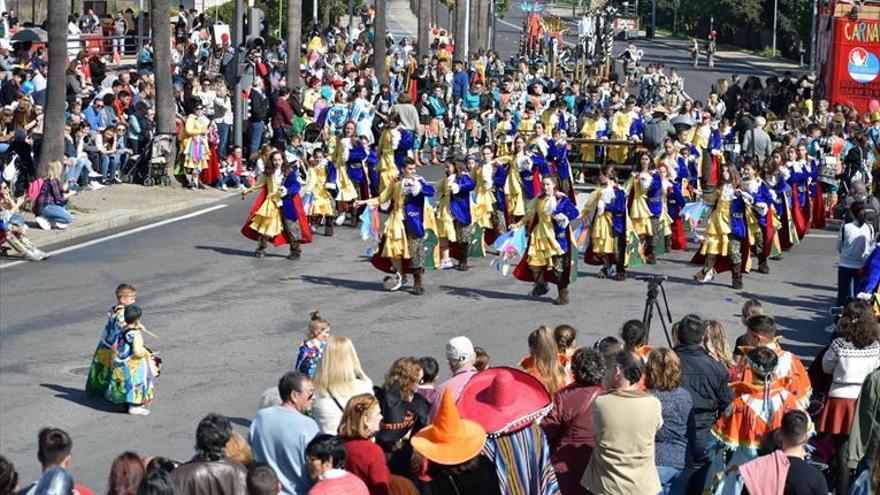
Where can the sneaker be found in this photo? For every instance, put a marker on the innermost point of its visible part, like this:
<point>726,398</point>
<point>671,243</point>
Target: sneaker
<point>445,264</point>
<point>708,276</point>
<point>43,223</point>
<point>60,226</point>
<point>94,175</point>
<point>340,219</point>
<point>223,187</point>
<point>138,411</point>
<point>94,186</point>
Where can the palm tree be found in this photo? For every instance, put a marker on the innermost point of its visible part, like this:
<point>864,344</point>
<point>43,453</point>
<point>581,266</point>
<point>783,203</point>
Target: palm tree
<point>460,29</point>
<point>424,26</point>
<point>379,48</point>
<point>165,137</point>
<point>53,127</point>
<point>294,33</point>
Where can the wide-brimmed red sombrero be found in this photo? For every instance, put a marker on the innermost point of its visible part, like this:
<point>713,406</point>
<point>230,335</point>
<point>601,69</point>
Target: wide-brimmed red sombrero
<point>503,400</point>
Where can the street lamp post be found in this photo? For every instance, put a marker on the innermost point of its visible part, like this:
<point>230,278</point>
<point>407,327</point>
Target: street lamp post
<point>653,19</point>
<point>775,8</point>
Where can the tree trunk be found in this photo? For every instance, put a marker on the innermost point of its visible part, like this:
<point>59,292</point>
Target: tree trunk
<point>165,140</point>
<point>379,43</point>
<point>294,33</point>
<point>53,126</point>
<point>474,27</point>
<point>424,26</point>
<point>325,17</point>
<point>460,29</point>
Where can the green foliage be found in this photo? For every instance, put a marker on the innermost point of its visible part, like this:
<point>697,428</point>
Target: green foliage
<point>744,23</point>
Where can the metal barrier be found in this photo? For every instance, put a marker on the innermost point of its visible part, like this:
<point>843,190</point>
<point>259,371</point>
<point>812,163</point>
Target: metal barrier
<point>126,45</point>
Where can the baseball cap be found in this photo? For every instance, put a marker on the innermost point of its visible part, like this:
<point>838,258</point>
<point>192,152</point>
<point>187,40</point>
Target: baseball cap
<point>460,349</point>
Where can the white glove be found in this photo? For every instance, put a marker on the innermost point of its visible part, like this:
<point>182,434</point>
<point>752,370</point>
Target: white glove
<point>783,170</point>
<point>454,187</point>
<point>608,195</point>
<point>646,180</point>
<point>561,219</point>
<point>330,186</point>
<point>865,296</point>
<point>716,152</point>
<point>746,196</point>
<point>762,208</point>
<point>600,207</point>
<point>416,188</point>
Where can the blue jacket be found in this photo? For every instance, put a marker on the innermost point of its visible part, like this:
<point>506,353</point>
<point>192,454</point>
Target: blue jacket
<point>560,154</point>
<point>567,208</point>
<point>95,118</point>
<point>799,180</point>
<point>618,211</point>
<point>655,196</point>
<point>460,202</point>
<point>499,178</point>
<point>356,155</point>
<point>460,84</point>
<point>675,201</point>
<point>331,178</point>
<point>291,183</point>
<point>414,210</point>
<point>763,196</point>
<point>372,160</point>
<point>407,142</point>
<point>871,279</point>
<point>814,174</point>
<point>738,226</point>
<point>681,170</point>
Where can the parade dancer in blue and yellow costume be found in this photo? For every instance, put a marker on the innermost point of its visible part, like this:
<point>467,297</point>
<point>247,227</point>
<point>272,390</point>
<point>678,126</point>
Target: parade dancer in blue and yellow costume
<point>777,180</point>
<point>763,210</point>
<point>277,216</point>
<point>352,154</point>
<point>389,141</point>
<point>606,213</point>
<point>454,215</point>
<point>490,203</point>
<point>321,180</point>
<point>402,248</point>
<point>549,257</point>
<point>646,208</point>
<point>727,233</point>
<point>349,189</point>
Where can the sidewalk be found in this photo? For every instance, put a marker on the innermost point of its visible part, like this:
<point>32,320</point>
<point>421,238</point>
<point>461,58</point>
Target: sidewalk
<point>400,21</point>
<point>117,206</point>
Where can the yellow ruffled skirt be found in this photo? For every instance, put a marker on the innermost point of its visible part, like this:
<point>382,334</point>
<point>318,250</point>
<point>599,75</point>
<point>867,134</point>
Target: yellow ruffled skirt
<point>446,224</point>
<point>267,219</point>
<point>602,237</point>
<point>347,190</point>
<point>323,203</point>
<point>543,247</point>
<point>387,170</point>
<point>717,231</point>
<point>396,245</point>
<point>641,217</point>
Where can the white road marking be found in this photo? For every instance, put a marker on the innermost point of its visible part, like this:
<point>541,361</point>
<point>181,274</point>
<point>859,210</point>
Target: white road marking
<point>120,234</point>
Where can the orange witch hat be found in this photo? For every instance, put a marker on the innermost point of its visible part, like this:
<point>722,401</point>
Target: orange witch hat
<point>449,440</point>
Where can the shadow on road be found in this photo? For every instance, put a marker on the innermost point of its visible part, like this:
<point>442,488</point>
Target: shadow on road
<point>488,294</point>
<point>79,396</point>
<point>236,252</point>
<point>345,283</point>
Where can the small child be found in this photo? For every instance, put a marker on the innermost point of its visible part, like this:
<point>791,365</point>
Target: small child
<point>14,226</point>
<point>231,170</point>
<point>135,368</point>
<point>311,350</point>
<point>608,347</point>
<point>481,362</point>
<point>102,361</point>
<point>635,338</point>
<point>430,369</point>
<point>751,308</point>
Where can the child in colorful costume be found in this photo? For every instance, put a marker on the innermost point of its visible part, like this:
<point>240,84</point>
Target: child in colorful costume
<point>195,146</point>
<point>757,410</point>
<point>348,188</point>
<point>402,248</point>
<point>102,361</point>
<point>321,181</point>
<point>557,154</point>
<point>454,215</point>
<point>763,212</point>
<point>550,252</point>
<point>490,205</point>
<point>134,366</point>
<point>646,207</point>
<point>595,127</point>
<point>312,349</point>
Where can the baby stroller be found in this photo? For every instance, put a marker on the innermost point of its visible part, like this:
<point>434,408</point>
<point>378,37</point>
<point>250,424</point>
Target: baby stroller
<point>144,170</point>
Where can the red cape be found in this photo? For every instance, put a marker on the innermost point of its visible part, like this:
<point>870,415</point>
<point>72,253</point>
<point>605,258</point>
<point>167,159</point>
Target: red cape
<point>817,208</point>
<point>383,264</point>
<point>679,240</point>
<point>211,174</point>
<point>282,238</point>
<point>801,219</point>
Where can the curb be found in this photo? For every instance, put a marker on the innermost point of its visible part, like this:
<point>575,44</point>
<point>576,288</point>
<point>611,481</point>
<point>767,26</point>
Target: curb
<point>99,226</point>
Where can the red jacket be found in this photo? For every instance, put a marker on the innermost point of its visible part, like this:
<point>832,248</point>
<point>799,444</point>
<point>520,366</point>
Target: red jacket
<point>282,114</point>
<point>365,459</point>
<point>570,434</point>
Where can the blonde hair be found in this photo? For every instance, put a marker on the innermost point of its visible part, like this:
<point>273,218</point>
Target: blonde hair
<point>238,450</point>
<point>716,344</point>
<point>316,324</point>
<point>663,370</point>
<point>352,425</point>
<point>55,170</point>
<point>546,358</point>
<point>340,368</point>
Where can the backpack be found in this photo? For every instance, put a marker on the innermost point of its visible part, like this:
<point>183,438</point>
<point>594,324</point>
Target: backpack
<point>653,135</point>
<point>33,192</point>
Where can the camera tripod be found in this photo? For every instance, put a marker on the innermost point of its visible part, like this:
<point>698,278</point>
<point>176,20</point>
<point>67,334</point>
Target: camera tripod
<point>655,288</point>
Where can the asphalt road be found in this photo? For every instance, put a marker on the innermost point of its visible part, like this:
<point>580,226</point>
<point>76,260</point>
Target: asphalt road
<point>229,324</point>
